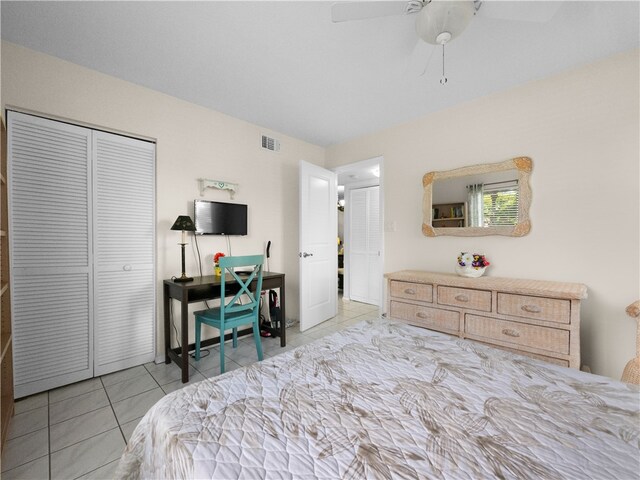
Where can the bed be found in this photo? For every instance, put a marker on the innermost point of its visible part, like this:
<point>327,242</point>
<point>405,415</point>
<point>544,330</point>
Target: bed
<point>389,400</point>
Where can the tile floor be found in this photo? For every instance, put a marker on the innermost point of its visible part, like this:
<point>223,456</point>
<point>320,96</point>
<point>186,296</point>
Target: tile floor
<point>79,431</point>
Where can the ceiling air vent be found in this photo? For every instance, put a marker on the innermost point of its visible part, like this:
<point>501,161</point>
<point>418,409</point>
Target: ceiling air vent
<point>270,143</point>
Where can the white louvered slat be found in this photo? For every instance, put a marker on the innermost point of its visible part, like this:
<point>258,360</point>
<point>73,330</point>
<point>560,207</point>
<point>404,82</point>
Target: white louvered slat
<point>364,268</point>
<point>49,176</point>
<point>124,252</point>
<point>373,246</point>
<point>50,238</point>
<point>125,317</point>
<point>358,241</point>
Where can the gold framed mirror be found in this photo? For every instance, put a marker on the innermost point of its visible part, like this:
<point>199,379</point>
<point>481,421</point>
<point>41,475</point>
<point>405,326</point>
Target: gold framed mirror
<point>479,200</point>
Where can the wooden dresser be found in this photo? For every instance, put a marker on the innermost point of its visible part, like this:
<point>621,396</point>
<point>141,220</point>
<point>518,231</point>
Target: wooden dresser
<point>537,318</point>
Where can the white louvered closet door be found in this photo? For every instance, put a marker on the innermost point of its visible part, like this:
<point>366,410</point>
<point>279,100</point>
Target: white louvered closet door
<point>364,256</point>
<point>124,283</point>
<point>50,240</point>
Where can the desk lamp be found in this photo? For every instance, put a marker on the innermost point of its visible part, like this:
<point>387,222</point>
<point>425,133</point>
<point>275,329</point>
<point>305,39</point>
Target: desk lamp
<point>184,223</point>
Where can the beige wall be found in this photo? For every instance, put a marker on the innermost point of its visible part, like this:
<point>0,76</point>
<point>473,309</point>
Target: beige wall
<point>582,130</point>
<point>192,142</point>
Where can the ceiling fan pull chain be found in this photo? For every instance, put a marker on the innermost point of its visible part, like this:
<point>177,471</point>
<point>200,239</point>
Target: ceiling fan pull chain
<point>443,80</point>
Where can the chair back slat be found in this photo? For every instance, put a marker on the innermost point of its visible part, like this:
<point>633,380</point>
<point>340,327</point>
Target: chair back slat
<point>228,264</point>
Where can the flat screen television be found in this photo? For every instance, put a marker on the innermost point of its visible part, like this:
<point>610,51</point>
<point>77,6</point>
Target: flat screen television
<point>219,218</point>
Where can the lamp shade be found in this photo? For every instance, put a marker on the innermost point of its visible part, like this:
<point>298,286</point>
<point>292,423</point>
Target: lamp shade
<point>184,222</point>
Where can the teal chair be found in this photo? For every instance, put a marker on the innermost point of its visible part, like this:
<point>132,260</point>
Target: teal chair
<point>232,313</point>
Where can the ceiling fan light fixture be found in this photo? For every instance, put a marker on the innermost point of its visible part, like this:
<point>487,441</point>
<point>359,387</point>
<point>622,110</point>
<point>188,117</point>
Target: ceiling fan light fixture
<point>444,16</point>
<point>443,38</point>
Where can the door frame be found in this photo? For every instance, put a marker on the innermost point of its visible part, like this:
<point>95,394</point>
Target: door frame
<point>368,163</point>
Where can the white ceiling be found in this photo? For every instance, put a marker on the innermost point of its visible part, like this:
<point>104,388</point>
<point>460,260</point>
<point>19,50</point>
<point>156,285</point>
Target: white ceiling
<point>285,66</point>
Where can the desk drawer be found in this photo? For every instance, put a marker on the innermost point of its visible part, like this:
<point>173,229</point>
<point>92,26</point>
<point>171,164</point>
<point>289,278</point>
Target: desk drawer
<point>515,333</point>
<point>427,317</point>
<point>465,298</point>
<point>539,308</point>
<point>412,291</point>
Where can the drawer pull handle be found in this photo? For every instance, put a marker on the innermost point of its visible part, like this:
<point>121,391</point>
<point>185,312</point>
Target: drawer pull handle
<point>531,308</point>
<point>462,298</point>
<point>422,315</point>
<point>409,291</point>
<point>511,333</point>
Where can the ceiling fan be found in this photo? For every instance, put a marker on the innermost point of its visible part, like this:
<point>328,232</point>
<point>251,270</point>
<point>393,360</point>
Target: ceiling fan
<point>440,21</point>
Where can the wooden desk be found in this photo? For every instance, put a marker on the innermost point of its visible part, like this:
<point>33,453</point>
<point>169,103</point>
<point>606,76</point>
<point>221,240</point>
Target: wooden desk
<point>206,288</point>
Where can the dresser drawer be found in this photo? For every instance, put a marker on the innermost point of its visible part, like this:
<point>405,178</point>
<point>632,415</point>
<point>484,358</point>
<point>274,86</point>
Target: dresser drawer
<point>427,317</point>
<point>412,291</point>
<point>465,298</point>
<point>549,309</point>
<point>515,333</point>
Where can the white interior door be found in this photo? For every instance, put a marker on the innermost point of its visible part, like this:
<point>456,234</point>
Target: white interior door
<point>318,245</point>
<point>124,222</point>
<point>50,245</point>
<point>364,250</point>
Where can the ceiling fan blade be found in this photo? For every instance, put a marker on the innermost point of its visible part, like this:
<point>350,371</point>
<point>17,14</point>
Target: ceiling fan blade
<point>348,11</point>
<point>524,11</point>
<point>420,58</point>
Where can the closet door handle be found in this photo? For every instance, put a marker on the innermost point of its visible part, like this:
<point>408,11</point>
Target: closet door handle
<point>127,268</point>
<point>462,298</point>
<point>409,291</point>
<point>531,308</point>
<point>511,333</point>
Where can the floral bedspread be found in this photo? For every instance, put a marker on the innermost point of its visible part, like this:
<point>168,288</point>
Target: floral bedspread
<point>388,400</point>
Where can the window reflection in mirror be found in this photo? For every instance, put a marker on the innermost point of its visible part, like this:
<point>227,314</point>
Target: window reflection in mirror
<point>483,200</point>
